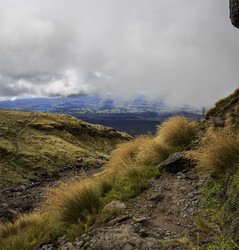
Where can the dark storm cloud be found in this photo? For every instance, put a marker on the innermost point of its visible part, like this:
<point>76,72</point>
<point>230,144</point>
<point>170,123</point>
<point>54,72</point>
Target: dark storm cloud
<point>184,51</point>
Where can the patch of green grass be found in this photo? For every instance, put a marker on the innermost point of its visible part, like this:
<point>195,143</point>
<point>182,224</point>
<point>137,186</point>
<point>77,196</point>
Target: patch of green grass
<point>49,142</point>
<point>221,203</point>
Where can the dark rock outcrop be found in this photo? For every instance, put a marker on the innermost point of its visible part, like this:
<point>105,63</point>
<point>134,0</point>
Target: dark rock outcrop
<point>176,162</point>
<point>234,12</point>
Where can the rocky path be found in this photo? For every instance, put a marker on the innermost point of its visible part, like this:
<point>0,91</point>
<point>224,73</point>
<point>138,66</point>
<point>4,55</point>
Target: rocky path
<point>16,141</point>
<point>157,219</point>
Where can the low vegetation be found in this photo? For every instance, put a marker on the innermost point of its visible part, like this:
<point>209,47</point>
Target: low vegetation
<point>73,207</point>
<point>218,152</point>
<point>41,143</point>
<point>223,106</point>
<point>217,156</point>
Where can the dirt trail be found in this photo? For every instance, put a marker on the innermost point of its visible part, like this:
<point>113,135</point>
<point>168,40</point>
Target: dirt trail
<point>163,214</point>
<point>16,140</point>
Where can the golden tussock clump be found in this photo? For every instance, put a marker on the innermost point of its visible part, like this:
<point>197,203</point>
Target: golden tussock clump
<point>153,152</point>
<point>24,230</point>
<point>177,132</point>
<point>71,202</point>
<point>217,152</point>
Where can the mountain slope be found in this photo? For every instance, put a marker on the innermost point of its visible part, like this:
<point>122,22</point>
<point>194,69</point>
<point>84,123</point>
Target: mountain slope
<point>32,144</point>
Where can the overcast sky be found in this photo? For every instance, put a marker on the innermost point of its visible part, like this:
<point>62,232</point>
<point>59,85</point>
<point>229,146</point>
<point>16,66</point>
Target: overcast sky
<point>184,51</point>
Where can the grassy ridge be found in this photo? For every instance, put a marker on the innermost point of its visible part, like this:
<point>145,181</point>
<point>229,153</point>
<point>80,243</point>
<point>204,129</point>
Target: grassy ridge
<point>47,142</point>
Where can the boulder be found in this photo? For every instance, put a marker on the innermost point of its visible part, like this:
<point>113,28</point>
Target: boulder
<point>176,163</point>
<point>234,12</point>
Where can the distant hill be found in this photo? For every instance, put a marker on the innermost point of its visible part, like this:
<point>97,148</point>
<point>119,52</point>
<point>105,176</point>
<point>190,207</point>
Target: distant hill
<point>135,117</point>
<point>36,144</point>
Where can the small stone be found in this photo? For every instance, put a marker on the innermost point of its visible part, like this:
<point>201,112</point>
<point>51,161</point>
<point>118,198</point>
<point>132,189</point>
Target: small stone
<point>156,197</point>
<point>116,205</point>
<point>181,175</point>
<point>184,216</point>
<point>62,240</point>
<point>190,195</point>
<point>142,230</point>
<point>47,247</point>
<point>139,219</point>
<point>79,243</point>
<point>137,225</point>
<point>87,244</point>
<point>200,183</point>
<point>68,246</point>
<point>5,205</point>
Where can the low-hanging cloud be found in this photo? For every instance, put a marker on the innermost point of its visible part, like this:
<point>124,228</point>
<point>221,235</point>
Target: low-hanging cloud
<point>185,52</point>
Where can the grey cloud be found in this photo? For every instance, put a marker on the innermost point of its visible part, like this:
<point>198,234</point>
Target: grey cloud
<point>183,51</point>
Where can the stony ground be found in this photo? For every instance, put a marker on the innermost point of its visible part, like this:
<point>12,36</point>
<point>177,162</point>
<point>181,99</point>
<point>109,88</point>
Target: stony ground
<point>159,218</point>
<point>25,198</point>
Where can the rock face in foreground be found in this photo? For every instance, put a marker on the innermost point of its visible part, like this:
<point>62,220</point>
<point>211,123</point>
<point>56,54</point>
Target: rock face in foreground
<point>234,12</point>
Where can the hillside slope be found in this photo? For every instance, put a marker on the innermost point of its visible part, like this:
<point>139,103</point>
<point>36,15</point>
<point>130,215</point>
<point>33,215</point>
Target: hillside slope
<point>175,190</point>
<point>34,144</point>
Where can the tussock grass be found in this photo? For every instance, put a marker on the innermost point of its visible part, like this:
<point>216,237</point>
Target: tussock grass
<point>129,150</point>
<point>153,153</point>
<point>177,132</point>
<point>21,233</point>
<point>218,152</point>
<point>70,203</point>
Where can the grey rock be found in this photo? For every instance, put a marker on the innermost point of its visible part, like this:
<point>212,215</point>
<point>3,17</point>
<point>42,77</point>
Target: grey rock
<point>79,243</point>
<point>62,240</point>
<point>200,183</point>
<point>139,219</point>
<point>234,12</point>
<point>190,195</point>
<point>181,175</point>
<point>156,197</point>
<point>116,205</point>
<point>5,205</point>
<point>142,231</point>
<point>47,247</point>
<point>68,246</point>
<point>87,244</point>
<point>176,163</point>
